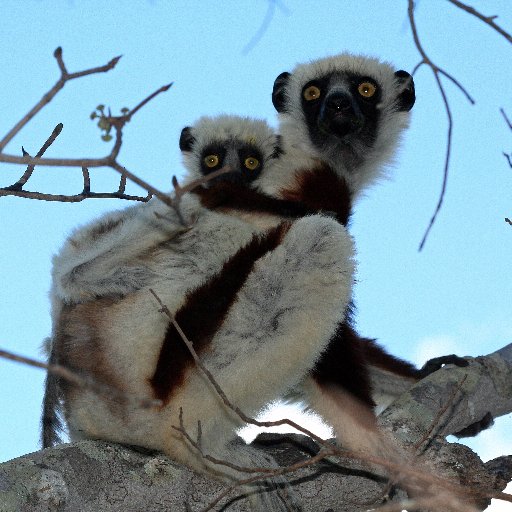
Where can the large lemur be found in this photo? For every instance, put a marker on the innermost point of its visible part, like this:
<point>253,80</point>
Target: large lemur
<point>341,119</point>
<point>259,296</point>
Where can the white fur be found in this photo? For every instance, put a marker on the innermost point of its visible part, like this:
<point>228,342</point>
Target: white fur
<point>299,151</point>
<point>280,323</point>
<point>209,130</point>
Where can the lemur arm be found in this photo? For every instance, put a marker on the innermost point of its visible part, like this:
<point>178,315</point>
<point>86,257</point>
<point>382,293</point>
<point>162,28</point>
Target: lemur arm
<point>101,258</point>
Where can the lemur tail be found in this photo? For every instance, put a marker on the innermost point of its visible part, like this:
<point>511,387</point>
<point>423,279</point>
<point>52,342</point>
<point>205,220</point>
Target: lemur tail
<point>51,419</point>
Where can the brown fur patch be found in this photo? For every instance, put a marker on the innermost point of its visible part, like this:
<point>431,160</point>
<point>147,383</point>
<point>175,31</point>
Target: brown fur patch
<point>79,343</point>
<point>377,356</point>
<point>344,365</point>
<point>321,190</point>
<point>227,195</point>
<point>204,311</point>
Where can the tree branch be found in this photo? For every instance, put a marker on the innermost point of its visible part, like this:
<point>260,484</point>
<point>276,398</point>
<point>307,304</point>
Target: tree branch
<point>489,20</point>
<point>82,381</point>
<point>436,70</point>
<point>65,77</point>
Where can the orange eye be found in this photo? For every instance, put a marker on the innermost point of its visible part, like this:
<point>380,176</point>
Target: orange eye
<point>211,161</point>
<point>311,93</point>
<point>366,89</point>
<point>251,163</point>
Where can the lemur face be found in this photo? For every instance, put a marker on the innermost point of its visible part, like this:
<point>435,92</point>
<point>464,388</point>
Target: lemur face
<point>242,144</point>
<point>341,106</point>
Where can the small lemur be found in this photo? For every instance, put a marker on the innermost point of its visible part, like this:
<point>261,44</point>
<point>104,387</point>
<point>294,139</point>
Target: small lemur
<point>259,296</point>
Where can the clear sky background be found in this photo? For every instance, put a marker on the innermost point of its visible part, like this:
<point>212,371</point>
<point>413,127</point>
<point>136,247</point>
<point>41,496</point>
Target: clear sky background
<point>455,296</point>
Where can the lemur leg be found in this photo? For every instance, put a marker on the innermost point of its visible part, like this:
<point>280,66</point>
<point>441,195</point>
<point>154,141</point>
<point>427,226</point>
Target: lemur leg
<point>340,389</point>
<point>272,335</point>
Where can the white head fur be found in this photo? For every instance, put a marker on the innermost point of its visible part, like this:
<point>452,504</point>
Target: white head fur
<point>396,90</point>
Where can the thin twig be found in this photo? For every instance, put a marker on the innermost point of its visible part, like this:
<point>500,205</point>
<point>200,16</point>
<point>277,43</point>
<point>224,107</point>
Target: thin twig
<point>255,39</point>
<point>322,454</point>
<point>507,120</point>
<point>30,169</point>
<point>82,381</point>
<point>489,20</point>
<point>427,438</point>
<point>436,71</point>
<point>132,112</point>
<point>40,196</point>
<point>509,124</point>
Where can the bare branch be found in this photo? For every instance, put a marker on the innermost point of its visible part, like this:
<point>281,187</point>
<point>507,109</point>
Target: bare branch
<point>65,77</point>
<point>507,120</point>
<point>73,198</point>
<point>436,70</point>
<point>132,112</point>
<point>81,381</point>
<point>30,169</point>
<point>489,20</point>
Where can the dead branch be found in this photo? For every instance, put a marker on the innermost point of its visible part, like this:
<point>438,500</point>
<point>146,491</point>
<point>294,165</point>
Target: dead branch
<point>85,382</point>
<point>118,122</point>
<point>64,78</point>
<point>509,124</point>
<point>437,71</point>
<point>489,20</point>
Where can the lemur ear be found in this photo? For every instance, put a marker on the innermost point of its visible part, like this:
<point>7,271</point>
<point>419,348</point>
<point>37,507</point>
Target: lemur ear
<point>407,96</point>
<point>186,139</point>
<point>278,95</point>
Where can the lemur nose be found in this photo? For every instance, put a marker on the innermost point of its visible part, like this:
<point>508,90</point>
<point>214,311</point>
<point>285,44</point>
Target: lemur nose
<point>339,102</point>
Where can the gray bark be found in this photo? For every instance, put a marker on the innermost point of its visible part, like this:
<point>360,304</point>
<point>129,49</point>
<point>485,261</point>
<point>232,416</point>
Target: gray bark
<point>98,476</point>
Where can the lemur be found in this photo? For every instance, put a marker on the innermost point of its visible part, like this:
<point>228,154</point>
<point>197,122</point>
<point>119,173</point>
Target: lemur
<point>103,275</point>
<point>341,119</point>
<point>258,296</point>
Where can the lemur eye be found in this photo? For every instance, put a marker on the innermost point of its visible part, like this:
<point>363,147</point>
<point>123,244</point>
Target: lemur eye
<point>366,89</point>
<point>211,161</point>
<point>311,93</point>
<point>251,163</point>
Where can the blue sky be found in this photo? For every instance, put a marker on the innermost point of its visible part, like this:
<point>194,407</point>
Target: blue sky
<point>452,297</point>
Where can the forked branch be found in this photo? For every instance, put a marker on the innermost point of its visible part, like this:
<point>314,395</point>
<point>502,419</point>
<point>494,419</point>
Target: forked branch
<point>438,72</point>
<point>118,122</point>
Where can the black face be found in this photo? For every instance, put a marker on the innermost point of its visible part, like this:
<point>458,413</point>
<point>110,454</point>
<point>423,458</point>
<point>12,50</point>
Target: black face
<point>245,160</point>
<point>343,107</point>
